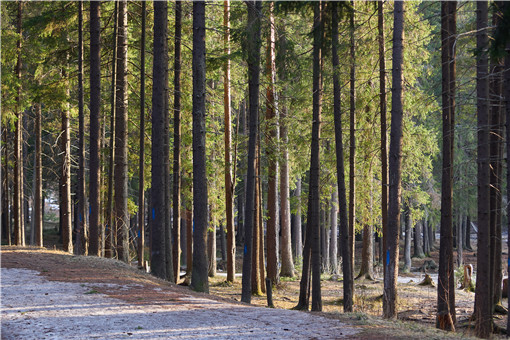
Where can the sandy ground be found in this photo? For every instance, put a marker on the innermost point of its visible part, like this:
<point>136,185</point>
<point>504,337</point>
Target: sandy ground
<point>36,308</point>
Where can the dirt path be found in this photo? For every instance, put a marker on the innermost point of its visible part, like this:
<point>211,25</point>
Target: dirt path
<point>89,298</point>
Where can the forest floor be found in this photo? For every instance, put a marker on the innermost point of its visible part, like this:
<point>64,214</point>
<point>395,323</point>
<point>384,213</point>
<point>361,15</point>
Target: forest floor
<point>50,294</point>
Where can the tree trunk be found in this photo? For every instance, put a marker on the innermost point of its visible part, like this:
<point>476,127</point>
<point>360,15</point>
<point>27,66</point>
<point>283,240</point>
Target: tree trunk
<point>483,301</point>
<point>333,246</point>
<point>19,226</point>
<point>352,140</point>
<point>407,242</point>
<point>121,143</point>
<point>395,168</point>
<point>189,242</point>
<point>65,175</point>
<point>229,185</point>
<point>158,204</point>
<point>298,235</point>
<point>506,94</point>
<point>254,42</point>
<point>95,107</point>
<point>314,195</point>
<point>468,233</point>
<point>347,269</point>
<point>460,246</point>
<point>426,242</point>
<point>110,231</point>
<point>176,201</point>
<point>82,236</point>
<point>272,155</point>
<point>141,157</point>
<point>496,156</point>
<point>38,197</point>
<point>418,240</point>
<point>199,279</point>
<point>223,244</point>
<point>6,192</point>
<point>258,249</point>
<point>211,251</point>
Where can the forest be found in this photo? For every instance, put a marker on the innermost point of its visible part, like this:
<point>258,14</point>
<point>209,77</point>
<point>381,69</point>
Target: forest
<point>332,143</point>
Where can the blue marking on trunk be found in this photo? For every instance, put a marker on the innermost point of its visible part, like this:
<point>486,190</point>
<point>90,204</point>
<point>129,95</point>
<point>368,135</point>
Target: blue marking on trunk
<point>388,257</point>
<point>153,214</point>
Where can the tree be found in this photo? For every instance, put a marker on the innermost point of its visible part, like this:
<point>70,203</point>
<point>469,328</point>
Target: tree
<point>506,93</point>
<point>407,241</point>
<point>199,277</point>
<point>352,138</point>
<point>19,226</point>
<point>176,199</point>
<point>229,185</point>
<point>483,301</point>
<point>38,220</point>
<point>121,130</point>
<point>65,177</point>
<point>272,145</point>
<point>110,230</point>
<point>95,108</point>
<point>141,160</point>
<point>347,269</point>
<point>158,226</point>
<point>446,280</point>
<point>253,55</point>
<point>395,168</point>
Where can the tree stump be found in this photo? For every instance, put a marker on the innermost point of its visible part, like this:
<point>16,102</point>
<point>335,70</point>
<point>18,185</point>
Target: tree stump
<point>444,321</point>
<point>427,281</point>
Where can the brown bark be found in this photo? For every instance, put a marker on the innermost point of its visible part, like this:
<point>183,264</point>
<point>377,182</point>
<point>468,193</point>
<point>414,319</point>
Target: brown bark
<point>253,30</point>
<point>352,139</point>
<point>229,185</point>
<point>65,175</point>
<point>199,278</point>
<point>141,158</point>
<point>483,301</point>
<point>95,107</point>
<point>38,197</point>
<point>395,168</point>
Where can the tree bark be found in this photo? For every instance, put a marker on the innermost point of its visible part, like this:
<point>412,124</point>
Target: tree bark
<point>272,155</point>
<point>110,231</point>
<point>65,175</point>
<point>333,246</point>
<point>158,225</point>
<point>229,184</point>
<point>38,195</point>
<point>199,278</point>
<point>254,42</point>
<point>176,201</point>
<point>121,130</point>
<point>211,251</point>
<point>6,192</point>
<point>82,235</point>
<point>407,242</point>
<point>95,111</point>
<point>298,235</point>
<point>352,139</point>
<point>483,301</point>
<point>395,168</point>
<point>19,225</point>
<point>313,217</point>
<point>345,245</point>
<point>506,94</point>
<point>141,157</point>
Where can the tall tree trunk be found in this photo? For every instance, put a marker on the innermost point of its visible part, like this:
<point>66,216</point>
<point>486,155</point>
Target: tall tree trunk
<point>333,247</point>
<point>426,242</point>
<point>199,279</point>
<point>272,154</point>
<point>65,175</point>
<point>313,218</point>
<point>395,168</point>
<point>407,242</point>
<point>229,185</point>
<point>223,244</point>
<point>254,42</point>
<point>158,226</point>
<point>483,301</point>
<point>506,94</point>
<point>258,235</point>
<point>260,224</point>
<point>141,158</point>
<point>81,237</point>
<point>38,197</point>
<point>382,107</point>
<point>347,269</point>
<point>189,241</point>
<point>418,240</point>
<point>6,192</point>
<point>298,235</point>
<point>352,140</point>
<point>460,246</point>
<point>468,233</point>
<point>121,131</point>
<point>95,111</point>
<point>110,232</point>
<point>19,226</point>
